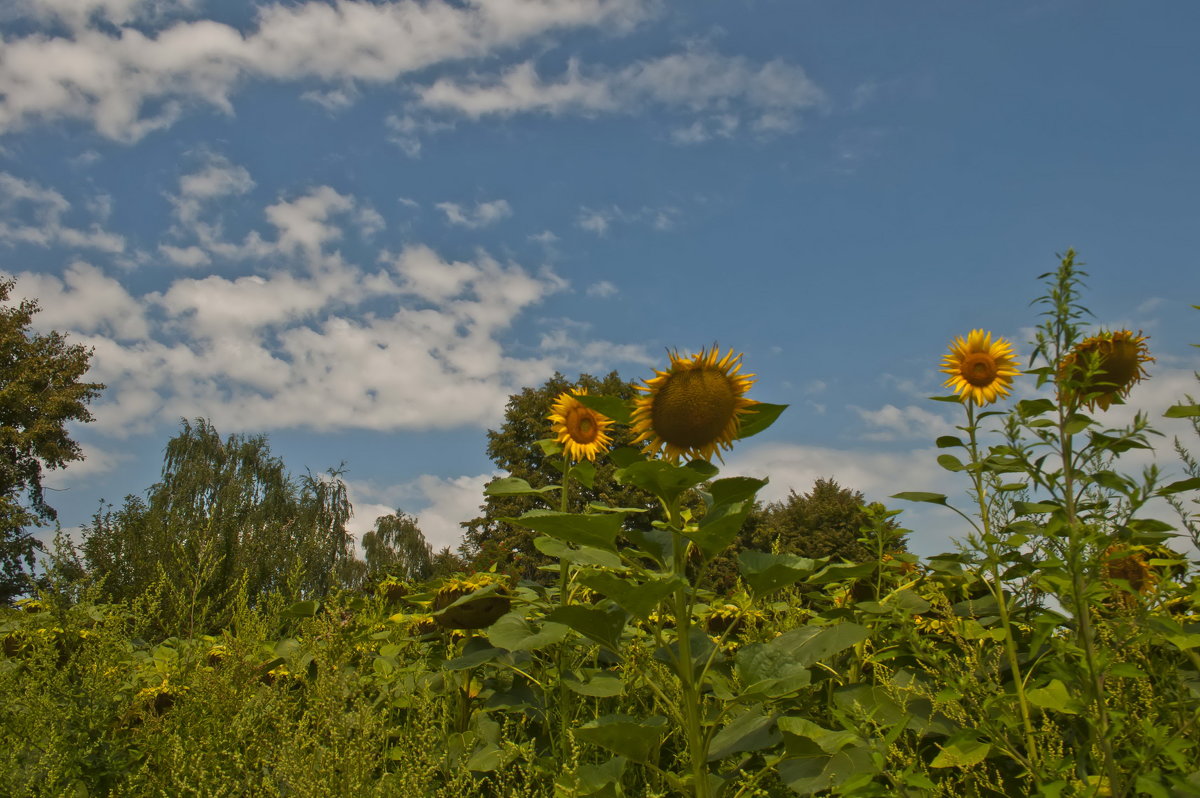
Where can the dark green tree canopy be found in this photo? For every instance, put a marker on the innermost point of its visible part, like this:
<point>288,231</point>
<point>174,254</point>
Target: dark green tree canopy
<point>825,522</point>
<point>40,393</point>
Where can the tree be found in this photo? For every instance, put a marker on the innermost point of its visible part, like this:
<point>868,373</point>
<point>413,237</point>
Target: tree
<point>397,547</point>
<point>513,448</point>
<point>40,392</point>
<point>225,516</point>
<point>825,522</point>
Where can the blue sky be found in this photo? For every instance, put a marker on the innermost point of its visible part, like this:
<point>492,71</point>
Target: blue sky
<point>359,226</point>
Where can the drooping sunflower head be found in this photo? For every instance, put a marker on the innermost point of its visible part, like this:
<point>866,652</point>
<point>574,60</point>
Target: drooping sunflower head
<point>695,407</point>
<point>582,431</point>
<point>1103,367</point>
<point>980,369</point>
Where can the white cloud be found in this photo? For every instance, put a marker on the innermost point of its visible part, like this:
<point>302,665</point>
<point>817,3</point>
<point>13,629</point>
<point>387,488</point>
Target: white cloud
<point>440,505</point>
<point>133,83</point>
<point>303,222</point>
<point>303,225</point>
<point>45,209</point>
<point>333,100</point>
<point>601,220</point>
<point>724,89</point>
<point>482,215</point>
<point>86,300</point>
<point>890,423</point>
<point>188,257</point>
<point>292,348</point>
<point>450,502</point>
<point>590,355</point>
<point>876,474</point>
<point>594,221</point>
<point>602,290</point>
<point>78,14</point>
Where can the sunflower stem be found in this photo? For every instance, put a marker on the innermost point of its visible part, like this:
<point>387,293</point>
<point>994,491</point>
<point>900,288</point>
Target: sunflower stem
<point>693,729</point>
<point>997,590</point>
<point>564,599</point>
<point>1081,608</point>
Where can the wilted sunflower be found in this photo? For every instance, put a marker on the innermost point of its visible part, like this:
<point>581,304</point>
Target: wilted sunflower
<point>582,431</point>
<point>694,407</point>
<point>1115,362</point>
<point>980,369</point>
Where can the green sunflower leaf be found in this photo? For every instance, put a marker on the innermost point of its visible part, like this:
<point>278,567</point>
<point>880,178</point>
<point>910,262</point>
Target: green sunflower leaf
<point>515,486</point>
<point>619,410</point>
<point>599,531</point>
<point>1182,411</point>
<point>921,496</point>
<point>629,736</point>
<point>758,417</point>
<point>604,626</point>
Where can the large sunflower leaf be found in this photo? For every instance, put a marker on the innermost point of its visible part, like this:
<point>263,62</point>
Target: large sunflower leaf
<point>601,625</point>
<point>766,573</point>
<point>619,410</point>
<point>663,479</point>
<point>599,531</point>
<point>720,526</point>
<point>636,599</point>
<point>514,633</point>
<point>626,735</point>
<point>758,417</point>
<point>515,486</point>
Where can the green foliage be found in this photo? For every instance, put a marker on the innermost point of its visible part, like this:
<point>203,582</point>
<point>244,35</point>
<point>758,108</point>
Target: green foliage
<point>876,675</point>
<point>396,546</point>
<point>40,393</point>
<point>225,517</point>
<point>490,538</point>
<point>827,522</point>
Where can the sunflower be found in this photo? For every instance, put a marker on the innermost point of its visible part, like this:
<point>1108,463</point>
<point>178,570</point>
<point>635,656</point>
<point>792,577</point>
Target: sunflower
<point>1104,367</point>
<point>582,431</point>
<point>980,369</point>
<point>694,407</point>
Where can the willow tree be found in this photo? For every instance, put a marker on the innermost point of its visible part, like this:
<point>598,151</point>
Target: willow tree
<point>397,547</point>
<point>225,516</point>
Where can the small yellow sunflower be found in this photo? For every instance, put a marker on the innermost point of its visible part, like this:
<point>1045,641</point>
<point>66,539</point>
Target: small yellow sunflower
<point>694,407</point>
<point>582,431</point>
<point>980,369</point>
<point>1115,362</point>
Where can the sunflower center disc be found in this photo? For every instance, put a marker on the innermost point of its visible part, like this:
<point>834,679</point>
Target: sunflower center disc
<point>979,369</point>
<point>581,426</point>
<point>1119,365</point>
<point>693,408</point>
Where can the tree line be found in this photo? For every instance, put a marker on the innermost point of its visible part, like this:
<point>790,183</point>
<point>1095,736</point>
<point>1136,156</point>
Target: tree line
<point>227,518</point>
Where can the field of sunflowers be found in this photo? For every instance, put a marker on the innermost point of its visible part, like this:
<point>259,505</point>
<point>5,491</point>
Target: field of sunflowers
<point>1054,654</point>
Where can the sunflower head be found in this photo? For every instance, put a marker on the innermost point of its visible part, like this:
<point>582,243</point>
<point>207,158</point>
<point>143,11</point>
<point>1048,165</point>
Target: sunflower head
<point>474,614</point>
<point>1103,367</point>
<point>980,369</point>
<point>582,431</point>
<point>694,407</point>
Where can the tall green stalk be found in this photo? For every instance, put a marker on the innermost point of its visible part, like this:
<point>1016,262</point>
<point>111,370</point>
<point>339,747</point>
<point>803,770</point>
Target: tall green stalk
<point>697,744</point>
<point>997,590</point>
